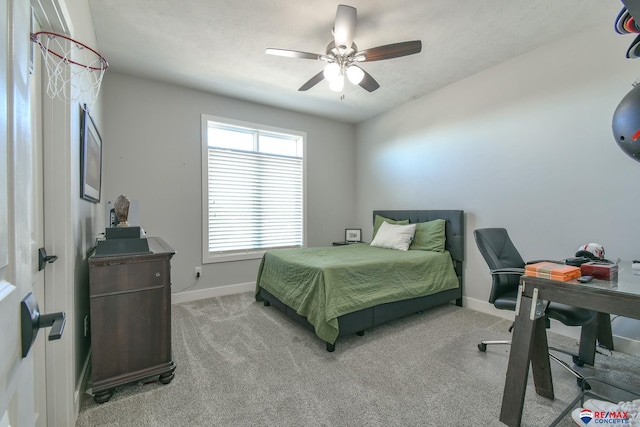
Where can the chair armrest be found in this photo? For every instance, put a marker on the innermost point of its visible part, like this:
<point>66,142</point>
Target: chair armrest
<point>518,271</point>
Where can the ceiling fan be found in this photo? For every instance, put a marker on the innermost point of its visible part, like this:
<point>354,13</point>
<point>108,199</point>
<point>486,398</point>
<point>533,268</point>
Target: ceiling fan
<point>342,55</point>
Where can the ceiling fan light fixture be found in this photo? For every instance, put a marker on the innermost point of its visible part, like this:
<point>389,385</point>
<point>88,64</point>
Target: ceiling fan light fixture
<point>331,71</point>
<point>342,55</point>
<point>355,74</point>
<point>337,83</point>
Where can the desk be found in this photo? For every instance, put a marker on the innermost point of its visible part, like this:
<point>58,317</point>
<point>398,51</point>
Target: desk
<point>529,342</point>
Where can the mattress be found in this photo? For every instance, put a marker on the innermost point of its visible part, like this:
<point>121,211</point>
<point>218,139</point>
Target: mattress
<point>324,283</point>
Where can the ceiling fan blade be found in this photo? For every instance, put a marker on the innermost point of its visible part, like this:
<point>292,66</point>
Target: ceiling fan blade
<point>369,83</point>
<point>394,50</point>
<point>344,29</point>
<point>312,81</point>
<point>292,53</point>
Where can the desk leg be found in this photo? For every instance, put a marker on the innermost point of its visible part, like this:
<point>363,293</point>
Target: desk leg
<point>540,364</point>
<point>605,337</point>
<point>588,337</point>
<point>599,330</point>
<point>523,340</point>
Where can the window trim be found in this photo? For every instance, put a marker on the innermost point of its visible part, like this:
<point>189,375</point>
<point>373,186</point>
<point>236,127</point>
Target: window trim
<point>208,258</point>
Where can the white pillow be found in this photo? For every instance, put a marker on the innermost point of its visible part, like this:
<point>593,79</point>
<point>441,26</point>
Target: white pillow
<point>394,236</point>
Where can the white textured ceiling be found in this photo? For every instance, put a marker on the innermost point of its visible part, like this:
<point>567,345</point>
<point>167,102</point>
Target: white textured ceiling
<point>218,45</point>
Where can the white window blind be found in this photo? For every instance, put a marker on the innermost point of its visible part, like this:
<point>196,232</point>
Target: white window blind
<point>255,192</point>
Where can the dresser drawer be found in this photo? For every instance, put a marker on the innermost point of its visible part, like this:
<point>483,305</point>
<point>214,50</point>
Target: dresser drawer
<point>117,276</point>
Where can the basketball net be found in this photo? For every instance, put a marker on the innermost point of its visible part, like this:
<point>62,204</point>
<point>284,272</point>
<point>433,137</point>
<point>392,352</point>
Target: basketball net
<point>73,68</point>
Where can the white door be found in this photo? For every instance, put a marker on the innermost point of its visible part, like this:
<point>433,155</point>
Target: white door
<point>16,208</point>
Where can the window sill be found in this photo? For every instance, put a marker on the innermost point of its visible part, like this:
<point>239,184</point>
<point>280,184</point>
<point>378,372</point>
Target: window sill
<point>240,256</point>
<point>213,259</point>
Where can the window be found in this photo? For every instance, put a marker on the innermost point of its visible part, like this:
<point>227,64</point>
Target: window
<point>253,182</point>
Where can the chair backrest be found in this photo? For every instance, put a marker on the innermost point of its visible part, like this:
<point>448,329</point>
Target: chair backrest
<point>499,252</point>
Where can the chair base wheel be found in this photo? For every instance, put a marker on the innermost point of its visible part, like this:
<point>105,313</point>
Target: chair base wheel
<point>482,347</point>
<point>583,384</point>
<point>577,361</point>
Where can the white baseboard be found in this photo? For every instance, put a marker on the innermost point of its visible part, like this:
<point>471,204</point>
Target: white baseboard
<point>81,386</point>
<point>212,292</point>
<point>488,308</point>
<point>626,345</point>
<point>622,344</point>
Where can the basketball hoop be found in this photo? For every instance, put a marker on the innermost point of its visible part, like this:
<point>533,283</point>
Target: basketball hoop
<point>73,68</point>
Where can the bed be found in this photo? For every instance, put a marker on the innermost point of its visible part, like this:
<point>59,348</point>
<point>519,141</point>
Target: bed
<point>341,290</point>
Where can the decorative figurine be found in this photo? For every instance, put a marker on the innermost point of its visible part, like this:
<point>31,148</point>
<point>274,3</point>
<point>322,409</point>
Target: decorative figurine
<point>121,206</point>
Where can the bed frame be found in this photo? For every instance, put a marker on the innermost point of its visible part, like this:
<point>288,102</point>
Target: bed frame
<point>361,320</point>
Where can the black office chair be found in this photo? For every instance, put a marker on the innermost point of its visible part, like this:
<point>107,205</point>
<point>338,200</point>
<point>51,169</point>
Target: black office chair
<point>506,266</point>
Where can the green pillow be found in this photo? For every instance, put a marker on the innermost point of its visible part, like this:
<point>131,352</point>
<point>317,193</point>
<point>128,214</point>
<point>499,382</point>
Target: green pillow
<point>378,220</point>
<point>429,236</point>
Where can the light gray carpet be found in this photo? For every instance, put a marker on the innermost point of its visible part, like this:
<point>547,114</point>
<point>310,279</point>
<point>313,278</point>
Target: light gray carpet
<point>242,364</point>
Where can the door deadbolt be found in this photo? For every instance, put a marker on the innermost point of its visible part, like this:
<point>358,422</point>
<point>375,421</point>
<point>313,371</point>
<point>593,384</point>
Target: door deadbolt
<point>43,258</point>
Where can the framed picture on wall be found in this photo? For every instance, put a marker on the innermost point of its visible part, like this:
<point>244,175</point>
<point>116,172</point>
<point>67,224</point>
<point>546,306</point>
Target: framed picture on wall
<point>90,158</point>
<point>353,235</point>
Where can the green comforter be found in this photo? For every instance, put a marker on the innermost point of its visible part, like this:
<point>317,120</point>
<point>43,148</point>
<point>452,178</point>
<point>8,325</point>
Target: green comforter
<point>324,283</point>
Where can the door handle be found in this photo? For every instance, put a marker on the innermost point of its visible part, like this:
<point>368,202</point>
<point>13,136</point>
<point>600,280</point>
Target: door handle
<point>32,321</point>
<point>43,258</point>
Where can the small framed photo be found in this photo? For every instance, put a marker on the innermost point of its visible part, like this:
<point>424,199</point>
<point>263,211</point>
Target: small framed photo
<point>353,235</point>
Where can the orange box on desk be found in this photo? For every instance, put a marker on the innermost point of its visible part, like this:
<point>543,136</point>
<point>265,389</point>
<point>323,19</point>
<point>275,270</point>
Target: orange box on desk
<point>553,271</point>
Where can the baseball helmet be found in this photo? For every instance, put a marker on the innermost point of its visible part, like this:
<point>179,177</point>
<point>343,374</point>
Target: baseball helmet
<point>591,250</point>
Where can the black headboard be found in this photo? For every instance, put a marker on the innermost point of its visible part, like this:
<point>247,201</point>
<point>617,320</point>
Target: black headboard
<point>454,229</point>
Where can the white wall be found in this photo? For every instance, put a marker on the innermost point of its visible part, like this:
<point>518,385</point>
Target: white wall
<point>86,217</point>
<point>526,145</point>
<point>151,151</point>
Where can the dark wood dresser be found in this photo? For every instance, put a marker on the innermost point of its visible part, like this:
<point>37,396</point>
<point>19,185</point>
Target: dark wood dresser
<point>130,309</point>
